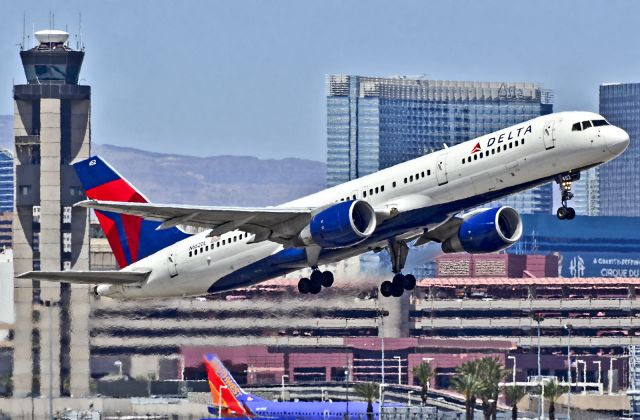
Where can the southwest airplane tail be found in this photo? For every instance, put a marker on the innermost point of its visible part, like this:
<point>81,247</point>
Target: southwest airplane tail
<point>233,401</point>
<point>131,237</point>
<point>225,391</point>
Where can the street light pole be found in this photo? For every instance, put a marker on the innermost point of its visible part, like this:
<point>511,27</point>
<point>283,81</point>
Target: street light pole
<point>220,400</point>
<point>346,378</point>
<point>399,369</point>
<point>282,391</point>
<point>539,318</point>
<point>568,328</point>
<point>382,341</point>
<point>380,387</point>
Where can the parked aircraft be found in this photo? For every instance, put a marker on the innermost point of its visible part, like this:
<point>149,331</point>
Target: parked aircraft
<point>421,200</point>
<point>232,401</point>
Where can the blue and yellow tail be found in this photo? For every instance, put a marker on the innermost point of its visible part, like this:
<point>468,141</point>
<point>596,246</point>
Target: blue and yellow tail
<point>131,238</point>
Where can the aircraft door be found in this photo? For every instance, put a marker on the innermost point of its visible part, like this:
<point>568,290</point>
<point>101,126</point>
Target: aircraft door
<point>172,262</point>
<point>441,169</point>
<point>549,134</point>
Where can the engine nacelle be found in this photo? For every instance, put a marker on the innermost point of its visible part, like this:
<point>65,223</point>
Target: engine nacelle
<point>341,225</point>
<point>489,231</point>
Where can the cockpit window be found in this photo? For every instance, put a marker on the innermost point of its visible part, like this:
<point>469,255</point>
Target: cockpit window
<point>586,124</point>
<point>576,127</point>
<point>599,123</point>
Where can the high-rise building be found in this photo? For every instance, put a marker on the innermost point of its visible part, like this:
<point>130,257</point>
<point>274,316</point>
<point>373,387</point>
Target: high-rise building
<point>374,123</point>
<point>6,181</point>
<point>51,130</point>
<point>619,186</point>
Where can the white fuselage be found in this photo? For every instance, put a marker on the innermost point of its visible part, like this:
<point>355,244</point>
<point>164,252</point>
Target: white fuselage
<point>515,158</point>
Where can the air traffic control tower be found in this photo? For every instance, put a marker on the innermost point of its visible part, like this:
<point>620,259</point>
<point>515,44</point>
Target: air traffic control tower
<point>52,130</point>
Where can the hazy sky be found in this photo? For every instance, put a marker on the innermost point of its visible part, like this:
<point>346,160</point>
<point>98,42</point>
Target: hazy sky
<point>247,77</point>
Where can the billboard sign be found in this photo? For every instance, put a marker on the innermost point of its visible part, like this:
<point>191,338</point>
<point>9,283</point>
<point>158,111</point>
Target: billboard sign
<point>586,264</point>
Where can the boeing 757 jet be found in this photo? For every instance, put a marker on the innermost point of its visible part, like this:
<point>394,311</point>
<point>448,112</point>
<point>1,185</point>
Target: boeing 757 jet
<point>421,200</point>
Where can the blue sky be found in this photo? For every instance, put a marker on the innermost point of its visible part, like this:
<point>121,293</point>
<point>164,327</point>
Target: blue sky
<point>247,77</point>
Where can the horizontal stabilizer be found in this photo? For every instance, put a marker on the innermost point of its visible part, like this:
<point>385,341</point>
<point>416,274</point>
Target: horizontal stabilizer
<point>88,277</point>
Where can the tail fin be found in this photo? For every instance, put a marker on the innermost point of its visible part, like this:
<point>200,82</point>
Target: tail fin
<point>224,389</point>
<point>131,238</point>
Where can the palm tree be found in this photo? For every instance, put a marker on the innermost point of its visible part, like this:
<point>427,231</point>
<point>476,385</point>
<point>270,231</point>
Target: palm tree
<point>491,373</point>
<point>467,382</point>
<point>552,391</point>
<point>514,394</point>
<point>368,391</point>
<point>424,373</point>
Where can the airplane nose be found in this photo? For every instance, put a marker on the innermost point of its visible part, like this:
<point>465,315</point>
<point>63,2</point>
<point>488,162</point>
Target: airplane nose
<point>617,141</point>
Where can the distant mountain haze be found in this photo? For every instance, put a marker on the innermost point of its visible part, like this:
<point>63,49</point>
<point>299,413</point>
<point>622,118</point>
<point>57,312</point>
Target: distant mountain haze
<point>215,180</point>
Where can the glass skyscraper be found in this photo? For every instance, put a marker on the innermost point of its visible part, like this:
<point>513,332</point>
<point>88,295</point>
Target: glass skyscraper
<point>374,123</point>
<point>619,185</point>
<point>6,181</point>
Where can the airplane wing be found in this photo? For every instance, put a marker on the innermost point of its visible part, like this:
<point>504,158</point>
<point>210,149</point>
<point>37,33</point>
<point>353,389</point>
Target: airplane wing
<point>88,277</point>
<point>273,223</point>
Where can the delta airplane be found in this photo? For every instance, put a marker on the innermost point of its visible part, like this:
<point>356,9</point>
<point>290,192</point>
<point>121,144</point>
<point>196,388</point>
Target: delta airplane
<point>421,200</point>
<point>232,401</point>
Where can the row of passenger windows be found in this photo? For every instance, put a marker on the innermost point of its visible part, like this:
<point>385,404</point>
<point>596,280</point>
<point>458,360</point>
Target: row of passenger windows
<point>588,124</point>
<point>380,189</point>
<point>218,244</point>
<point>493,151</point>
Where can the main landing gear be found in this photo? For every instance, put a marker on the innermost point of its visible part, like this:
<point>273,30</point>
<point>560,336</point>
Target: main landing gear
<point>565,182</point>
<point>398,285</point>
<point>316,281</point>
<point>398,251</point>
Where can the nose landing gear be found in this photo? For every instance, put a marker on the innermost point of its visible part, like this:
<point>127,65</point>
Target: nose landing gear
<point>565,181</point>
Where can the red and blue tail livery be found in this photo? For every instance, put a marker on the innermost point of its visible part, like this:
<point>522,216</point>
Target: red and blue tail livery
<point>131,237</point>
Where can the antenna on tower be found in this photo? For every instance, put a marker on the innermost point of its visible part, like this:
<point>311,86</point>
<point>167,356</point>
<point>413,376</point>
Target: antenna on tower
<point>24,29</point>
<point>80,45</point>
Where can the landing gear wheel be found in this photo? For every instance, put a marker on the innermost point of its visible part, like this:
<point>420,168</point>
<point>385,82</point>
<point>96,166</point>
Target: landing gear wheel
<point>386,288</point>
<point>315,288</point>
<point>316,277</point>
<point>562,213</point>
<point>396,291</point>
<point>398,280</point>
<point>304,285</point>
<point>327,279</point>
<point>409,282</point>
<point>571,213</point>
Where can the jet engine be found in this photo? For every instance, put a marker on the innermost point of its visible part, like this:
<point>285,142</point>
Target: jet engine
<point>491,230</point>
<point>341,225</point>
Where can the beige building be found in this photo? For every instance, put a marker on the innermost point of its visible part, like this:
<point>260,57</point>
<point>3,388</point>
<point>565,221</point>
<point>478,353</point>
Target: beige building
<point>52,130</point>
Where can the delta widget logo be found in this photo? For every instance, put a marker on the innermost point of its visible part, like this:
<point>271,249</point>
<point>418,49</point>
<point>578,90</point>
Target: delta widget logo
<point>476,148</point>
